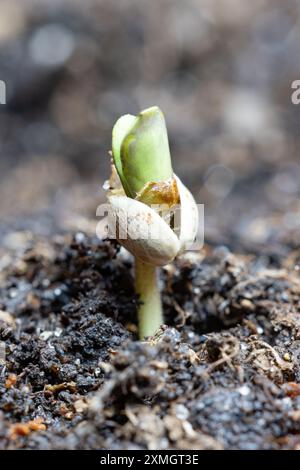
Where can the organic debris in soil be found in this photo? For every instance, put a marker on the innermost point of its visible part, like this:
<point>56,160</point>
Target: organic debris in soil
<point>224,375</point>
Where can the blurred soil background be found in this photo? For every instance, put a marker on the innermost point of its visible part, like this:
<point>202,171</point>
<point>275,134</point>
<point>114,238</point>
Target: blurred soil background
<point>220,71</point>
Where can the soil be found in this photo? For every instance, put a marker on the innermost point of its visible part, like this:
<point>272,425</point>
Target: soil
<point>223,375</point>
<point>225,371</point>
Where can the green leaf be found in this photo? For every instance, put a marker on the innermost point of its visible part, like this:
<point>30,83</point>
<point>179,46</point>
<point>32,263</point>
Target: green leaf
<point>123,125</point>
<point>141,150</point>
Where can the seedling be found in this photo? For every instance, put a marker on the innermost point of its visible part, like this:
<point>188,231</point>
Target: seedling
<point>143,192</point>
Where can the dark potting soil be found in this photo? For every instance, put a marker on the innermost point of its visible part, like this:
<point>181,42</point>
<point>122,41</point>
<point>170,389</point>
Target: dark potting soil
<point>223,375</point>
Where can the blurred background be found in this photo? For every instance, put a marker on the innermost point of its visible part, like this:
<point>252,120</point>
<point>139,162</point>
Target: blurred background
<point>221,71</point>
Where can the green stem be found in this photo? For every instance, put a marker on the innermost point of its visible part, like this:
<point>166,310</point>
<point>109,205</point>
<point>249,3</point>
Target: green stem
<point>150,314</point>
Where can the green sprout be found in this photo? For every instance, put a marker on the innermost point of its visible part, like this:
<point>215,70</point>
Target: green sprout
<point>141,155</point>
